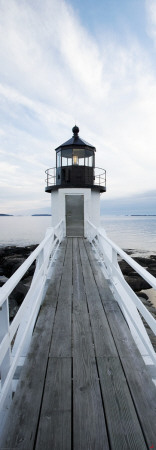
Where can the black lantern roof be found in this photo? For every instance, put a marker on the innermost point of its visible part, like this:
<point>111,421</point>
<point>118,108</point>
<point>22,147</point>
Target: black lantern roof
<point>76,141</point>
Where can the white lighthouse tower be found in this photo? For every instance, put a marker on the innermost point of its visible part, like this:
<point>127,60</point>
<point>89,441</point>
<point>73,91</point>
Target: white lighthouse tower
<point>75,185</point>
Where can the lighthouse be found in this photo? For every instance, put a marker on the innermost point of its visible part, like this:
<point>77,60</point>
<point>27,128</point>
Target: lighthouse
<point>75,185</point>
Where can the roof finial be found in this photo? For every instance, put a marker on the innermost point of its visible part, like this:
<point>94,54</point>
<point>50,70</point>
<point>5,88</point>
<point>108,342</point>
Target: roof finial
<point>75,130</point>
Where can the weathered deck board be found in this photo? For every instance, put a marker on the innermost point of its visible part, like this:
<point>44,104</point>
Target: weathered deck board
<point>89,430</point>
<point>61,338</point>
<point>24,413</point>
<point>142,390</point>
<point>84,384</point>
<point>54,431</point>
<point>89,427</point>
<point>123,425</point>
<point>103,340</point>
<point>83,345</point>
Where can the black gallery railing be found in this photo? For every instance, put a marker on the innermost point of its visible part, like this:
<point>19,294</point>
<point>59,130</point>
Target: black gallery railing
<point>99,178</point>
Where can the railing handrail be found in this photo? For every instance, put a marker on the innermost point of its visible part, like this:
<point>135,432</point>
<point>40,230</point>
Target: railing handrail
<point>126,297</point>
<point>10,284</point>
<point>141,270</point>
<point>15,337</point>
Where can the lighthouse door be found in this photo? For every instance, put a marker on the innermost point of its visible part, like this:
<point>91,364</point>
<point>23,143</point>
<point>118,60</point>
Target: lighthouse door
<point>75,215</point>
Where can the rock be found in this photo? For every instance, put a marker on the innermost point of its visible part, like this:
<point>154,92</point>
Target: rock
<point>142,295</point>
<point>152,270</point>
<point>11,259</point>
<point>19,293</point>
<point>27,281</point>
<point>3,280</point>
<point>125,268</point>
<point>13,308</point>
<point>144,262</point>
<point>137,283</point>
<point>11,264</point>
<point>30,271</point>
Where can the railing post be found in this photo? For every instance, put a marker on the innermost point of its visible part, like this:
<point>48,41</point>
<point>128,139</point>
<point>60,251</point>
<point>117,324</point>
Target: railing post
<point>4,330</point>
<point>5,365</point>
<point>114,261</point>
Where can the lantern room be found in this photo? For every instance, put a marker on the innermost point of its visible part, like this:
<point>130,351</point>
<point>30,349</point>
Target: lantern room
<point>75,166</point>
<point>75,162</point>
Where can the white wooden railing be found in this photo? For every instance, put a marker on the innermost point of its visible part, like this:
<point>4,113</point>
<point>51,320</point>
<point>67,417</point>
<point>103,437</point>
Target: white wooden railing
<point>15,337</point>
<point>129,302</point>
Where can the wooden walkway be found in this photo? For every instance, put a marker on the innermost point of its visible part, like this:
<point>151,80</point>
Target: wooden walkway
<point>84,384</point>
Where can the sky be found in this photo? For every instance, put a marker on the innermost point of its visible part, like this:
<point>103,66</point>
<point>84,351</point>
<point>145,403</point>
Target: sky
<point>87,62</point>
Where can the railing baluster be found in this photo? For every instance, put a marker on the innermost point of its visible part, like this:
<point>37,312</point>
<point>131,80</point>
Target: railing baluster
<point>126,297</point>
<point>6,363</point>
<point>22,325</point>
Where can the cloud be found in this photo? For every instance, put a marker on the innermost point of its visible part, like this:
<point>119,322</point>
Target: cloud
<point>143,204</point>
<point>151,13</point>
<point>55,72</point>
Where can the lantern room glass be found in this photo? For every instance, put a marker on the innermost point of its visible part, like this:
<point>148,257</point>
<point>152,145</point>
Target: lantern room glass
<point>67,157</point>
<point>75,157</point>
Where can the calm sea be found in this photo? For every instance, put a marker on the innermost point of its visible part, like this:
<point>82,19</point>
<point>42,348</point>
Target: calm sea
<point>127,232</point>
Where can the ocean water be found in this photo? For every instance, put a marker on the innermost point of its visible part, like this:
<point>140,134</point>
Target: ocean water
<point>23,230</point>
<point>131,232</point>
<point>138,233</point>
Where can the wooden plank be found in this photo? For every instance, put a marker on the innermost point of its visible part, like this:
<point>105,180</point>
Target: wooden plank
<point>122,421</point>
<point>20,429</point>
<point>140,384</point>
<point>89,428</point>
<point>106,294</point>
<point>82,334</point>
<point>141,387</point>
<point>103,340</point>
<point>54,431</point>
<point>82,337</point>
<point>79,294</point>
<point>61,337</point>
<point>51,296</point>
<point>66,289</point>
<point>23,417</point>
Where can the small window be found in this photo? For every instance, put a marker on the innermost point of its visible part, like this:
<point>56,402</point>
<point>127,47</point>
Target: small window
<point>58,160</point>
<point>89,159</point>
<point>66,157</point>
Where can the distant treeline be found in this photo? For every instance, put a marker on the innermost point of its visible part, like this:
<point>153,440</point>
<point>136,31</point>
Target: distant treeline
<point>32,215</point>
<point>143,215</point>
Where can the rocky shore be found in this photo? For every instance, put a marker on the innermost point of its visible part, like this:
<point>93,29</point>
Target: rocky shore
<point>144,291</point>
<point>136,282</point>
<point>12,257</point>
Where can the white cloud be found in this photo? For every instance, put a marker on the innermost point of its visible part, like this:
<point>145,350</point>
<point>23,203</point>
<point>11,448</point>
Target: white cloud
<point>151,12</point>
<point>55,72</point>
<point>8,168</point>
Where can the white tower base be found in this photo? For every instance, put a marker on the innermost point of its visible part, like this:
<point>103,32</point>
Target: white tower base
<point>91,199</point>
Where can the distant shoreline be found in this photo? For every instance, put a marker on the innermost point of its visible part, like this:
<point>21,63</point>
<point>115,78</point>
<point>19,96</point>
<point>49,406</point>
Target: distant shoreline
<point>49,215</point>
<point>142,215</point>
<point>31,215</point>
